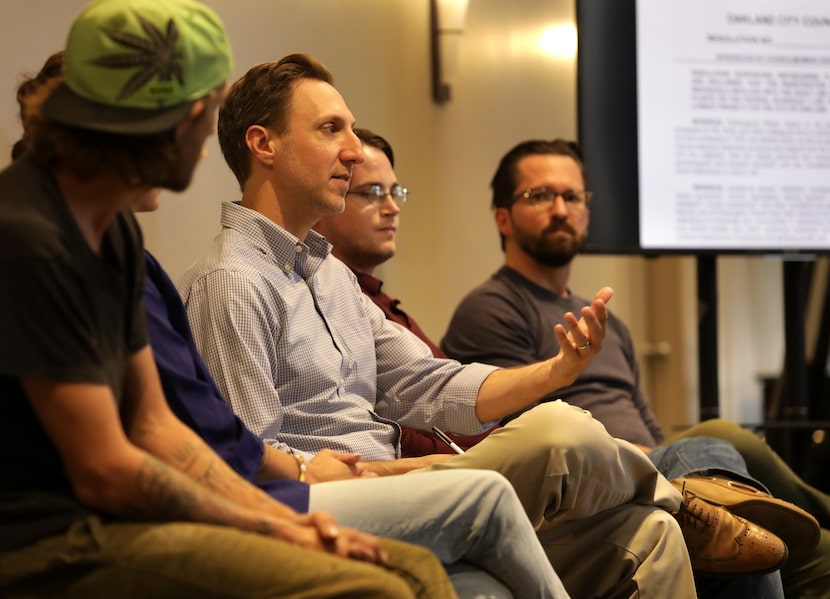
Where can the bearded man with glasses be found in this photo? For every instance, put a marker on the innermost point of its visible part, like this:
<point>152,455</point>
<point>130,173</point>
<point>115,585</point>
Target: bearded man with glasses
<point>541,208</point>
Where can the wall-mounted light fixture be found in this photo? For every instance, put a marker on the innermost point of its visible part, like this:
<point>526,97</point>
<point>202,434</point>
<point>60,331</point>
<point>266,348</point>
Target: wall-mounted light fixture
<point>559,41</point>
<point>447,19</point>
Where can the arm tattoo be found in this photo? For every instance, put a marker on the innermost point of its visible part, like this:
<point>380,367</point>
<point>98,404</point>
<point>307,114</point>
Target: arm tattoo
<point>169,496</point>
<point>200,464</point>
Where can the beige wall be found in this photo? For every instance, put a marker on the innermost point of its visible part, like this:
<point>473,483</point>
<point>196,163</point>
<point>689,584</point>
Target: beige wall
<point>506,91</point>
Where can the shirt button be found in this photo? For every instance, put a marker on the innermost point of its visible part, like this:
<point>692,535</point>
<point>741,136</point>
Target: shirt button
<point>298,248</point>
<point>286,267</point>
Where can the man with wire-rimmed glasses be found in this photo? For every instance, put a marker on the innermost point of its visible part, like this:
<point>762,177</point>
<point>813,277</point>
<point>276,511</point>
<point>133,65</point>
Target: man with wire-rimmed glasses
<point>363,236</point>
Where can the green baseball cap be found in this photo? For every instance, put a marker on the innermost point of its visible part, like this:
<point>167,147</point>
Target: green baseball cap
<point>135,67</point>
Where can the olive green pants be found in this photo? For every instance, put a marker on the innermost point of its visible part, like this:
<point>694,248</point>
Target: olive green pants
<point>176,560</point>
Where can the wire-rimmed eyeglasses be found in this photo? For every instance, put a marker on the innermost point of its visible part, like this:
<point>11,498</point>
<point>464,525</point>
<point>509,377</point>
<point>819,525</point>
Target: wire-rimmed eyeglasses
<point>375,194</point>
<point>542,198</point>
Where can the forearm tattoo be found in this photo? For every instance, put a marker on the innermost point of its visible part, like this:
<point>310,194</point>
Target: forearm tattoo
<point>161,493</point>
<point>198,462</point>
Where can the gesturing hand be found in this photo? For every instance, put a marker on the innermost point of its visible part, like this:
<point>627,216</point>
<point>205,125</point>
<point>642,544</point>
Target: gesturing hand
<point>582,338</point>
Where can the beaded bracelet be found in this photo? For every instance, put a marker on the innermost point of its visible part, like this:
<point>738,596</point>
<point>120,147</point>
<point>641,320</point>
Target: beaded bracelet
<point>301,463</point>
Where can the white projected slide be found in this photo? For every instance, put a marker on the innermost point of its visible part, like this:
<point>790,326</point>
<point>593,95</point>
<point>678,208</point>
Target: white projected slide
<point>734,124</point>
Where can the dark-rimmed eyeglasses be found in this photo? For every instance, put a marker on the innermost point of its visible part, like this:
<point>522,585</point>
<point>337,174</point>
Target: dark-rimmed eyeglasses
<point>542,198</point>
<point>375,194</point>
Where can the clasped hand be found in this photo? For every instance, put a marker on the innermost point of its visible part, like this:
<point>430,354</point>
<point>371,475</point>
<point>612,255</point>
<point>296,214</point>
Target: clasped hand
<point>319,531</point>
<point>331,465</point>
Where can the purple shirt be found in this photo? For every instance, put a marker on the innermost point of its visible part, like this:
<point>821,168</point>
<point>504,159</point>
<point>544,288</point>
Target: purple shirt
<point>193,395</point>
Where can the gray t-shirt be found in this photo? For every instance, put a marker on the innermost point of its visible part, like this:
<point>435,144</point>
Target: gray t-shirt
<point>66,315</point>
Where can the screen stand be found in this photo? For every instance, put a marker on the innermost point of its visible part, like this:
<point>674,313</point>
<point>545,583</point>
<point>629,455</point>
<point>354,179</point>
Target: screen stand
<point>707,333</point>
<point>788,413</point>
<point>796,281</point>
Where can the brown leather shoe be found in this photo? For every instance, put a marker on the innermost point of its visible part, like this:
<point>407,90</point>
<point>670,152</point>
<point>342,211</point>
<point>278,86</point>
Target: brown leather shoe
<point>722,543</point>
<point>797,528</point>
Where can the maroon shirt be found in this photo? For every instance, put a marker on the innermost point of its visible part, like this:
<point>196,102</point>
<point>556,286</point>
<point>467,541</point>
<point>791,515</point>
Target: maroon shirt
<point>414,442</point>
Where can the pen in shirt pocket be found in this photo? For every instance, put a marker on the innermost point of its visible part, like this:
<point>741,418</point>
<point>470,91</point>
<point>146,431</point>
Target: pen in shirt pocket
<point>443,436</point>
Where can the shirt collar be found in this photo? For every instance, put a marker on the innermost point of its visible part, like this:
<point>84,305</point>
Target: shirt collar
<point>512,273</point>
<point>368,283</point>
<point>281,247</point>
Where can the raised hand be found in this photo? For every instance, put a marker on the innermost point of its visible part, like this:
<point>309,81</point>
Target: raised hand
<point>579,340</point>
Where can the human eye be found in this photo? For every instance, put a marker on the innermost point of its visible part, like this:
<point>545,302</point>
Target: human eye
<point>399,193</point>
<point>572,197</point>
<point>543,195</point>
<point>375,193</point>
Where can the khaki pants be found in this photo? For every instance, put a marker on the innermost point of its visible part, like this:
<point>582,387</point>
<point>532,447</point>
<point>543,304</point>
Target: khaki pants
<point>179,560</point>
<point>599,506</point>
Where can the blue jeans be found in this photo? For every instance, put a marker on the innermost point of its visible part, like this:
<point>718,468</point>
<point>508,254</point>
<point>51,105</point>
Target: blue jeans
<point>706,456</point>
<point>471,519</point>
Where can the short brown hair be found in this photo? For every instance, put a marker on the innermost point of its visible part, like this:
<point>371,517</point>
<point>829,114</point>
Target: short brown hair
<point>262,96</point>
<point>503,183</point>
<point>373,140</point>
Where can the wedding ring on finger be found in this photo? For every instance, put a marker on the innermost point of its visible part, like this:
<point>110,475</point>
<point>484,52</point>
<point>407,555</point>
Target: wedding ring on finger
<point>584,346</point>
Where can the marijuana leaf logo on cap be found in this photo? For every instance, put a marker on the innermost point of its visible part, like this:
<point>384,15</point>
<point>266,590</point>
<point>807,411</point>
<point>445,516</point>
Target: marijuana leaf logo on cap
<point>157,54</point>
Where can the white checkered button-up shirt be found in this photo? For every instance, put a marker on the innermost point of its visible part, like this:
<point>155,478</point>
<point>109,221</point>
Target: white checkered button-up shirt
<point>304,358</point>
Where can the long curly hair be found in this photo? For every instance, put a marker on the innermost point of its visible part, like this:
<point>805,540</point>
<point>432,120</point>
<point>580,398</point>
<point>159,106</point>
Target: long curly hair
<point>140,160</point>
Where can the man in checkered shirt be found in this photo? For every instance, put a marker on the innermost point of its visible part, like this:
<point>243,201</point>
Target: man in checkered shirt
<point>308,362</point>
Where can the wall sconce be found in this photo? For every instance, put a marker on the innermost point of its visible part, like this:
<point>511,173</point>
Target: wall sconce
<point>447,19</point>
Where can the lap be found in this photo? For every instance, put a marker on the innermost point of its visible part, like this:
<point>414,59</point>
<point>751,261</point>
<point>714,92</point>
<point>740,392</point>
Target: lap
<point>564,465</point>
<point>182,560</point>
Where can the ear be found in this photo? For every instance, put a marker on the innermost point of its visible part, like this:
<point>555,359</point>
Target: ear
<point>503,222</point>
<point>259,142</point>
<point>197,109</point>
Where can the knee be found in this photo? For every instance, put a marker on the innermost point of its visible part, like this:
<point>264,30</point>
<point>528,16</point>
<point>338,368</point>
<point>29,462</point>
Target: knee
<point>485,481</point>
<point>662,531</point>
<point>716,427</point>
<point>559,424</point>
<point>691,456</point>
<point>702,444</point>
<point>473,489</point>
<point>734,433</point>
<point>385,586</point>
<point>411,571</point>
<point>488,489</point>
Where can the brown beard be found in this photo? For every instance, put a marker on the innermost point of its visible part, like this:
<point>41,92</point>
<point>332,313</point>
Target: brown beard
<point>550,251</point>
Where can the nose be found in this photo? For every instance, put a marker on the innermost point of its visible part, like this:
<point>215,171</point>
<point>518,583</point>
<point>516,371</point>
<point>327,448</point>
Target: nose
<point>388,206</point>
<point>353,149</point>
<point>559,207</point>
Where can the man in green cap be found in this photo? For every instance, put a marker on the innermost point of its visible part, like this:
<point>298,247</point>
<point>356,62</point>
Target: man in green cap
<point>103,492</point>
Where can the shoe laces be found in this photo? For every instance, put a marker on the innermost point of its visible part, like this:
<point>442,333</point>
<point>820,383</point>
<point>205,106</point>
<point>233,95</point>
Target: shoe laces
<point>689,514</point>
